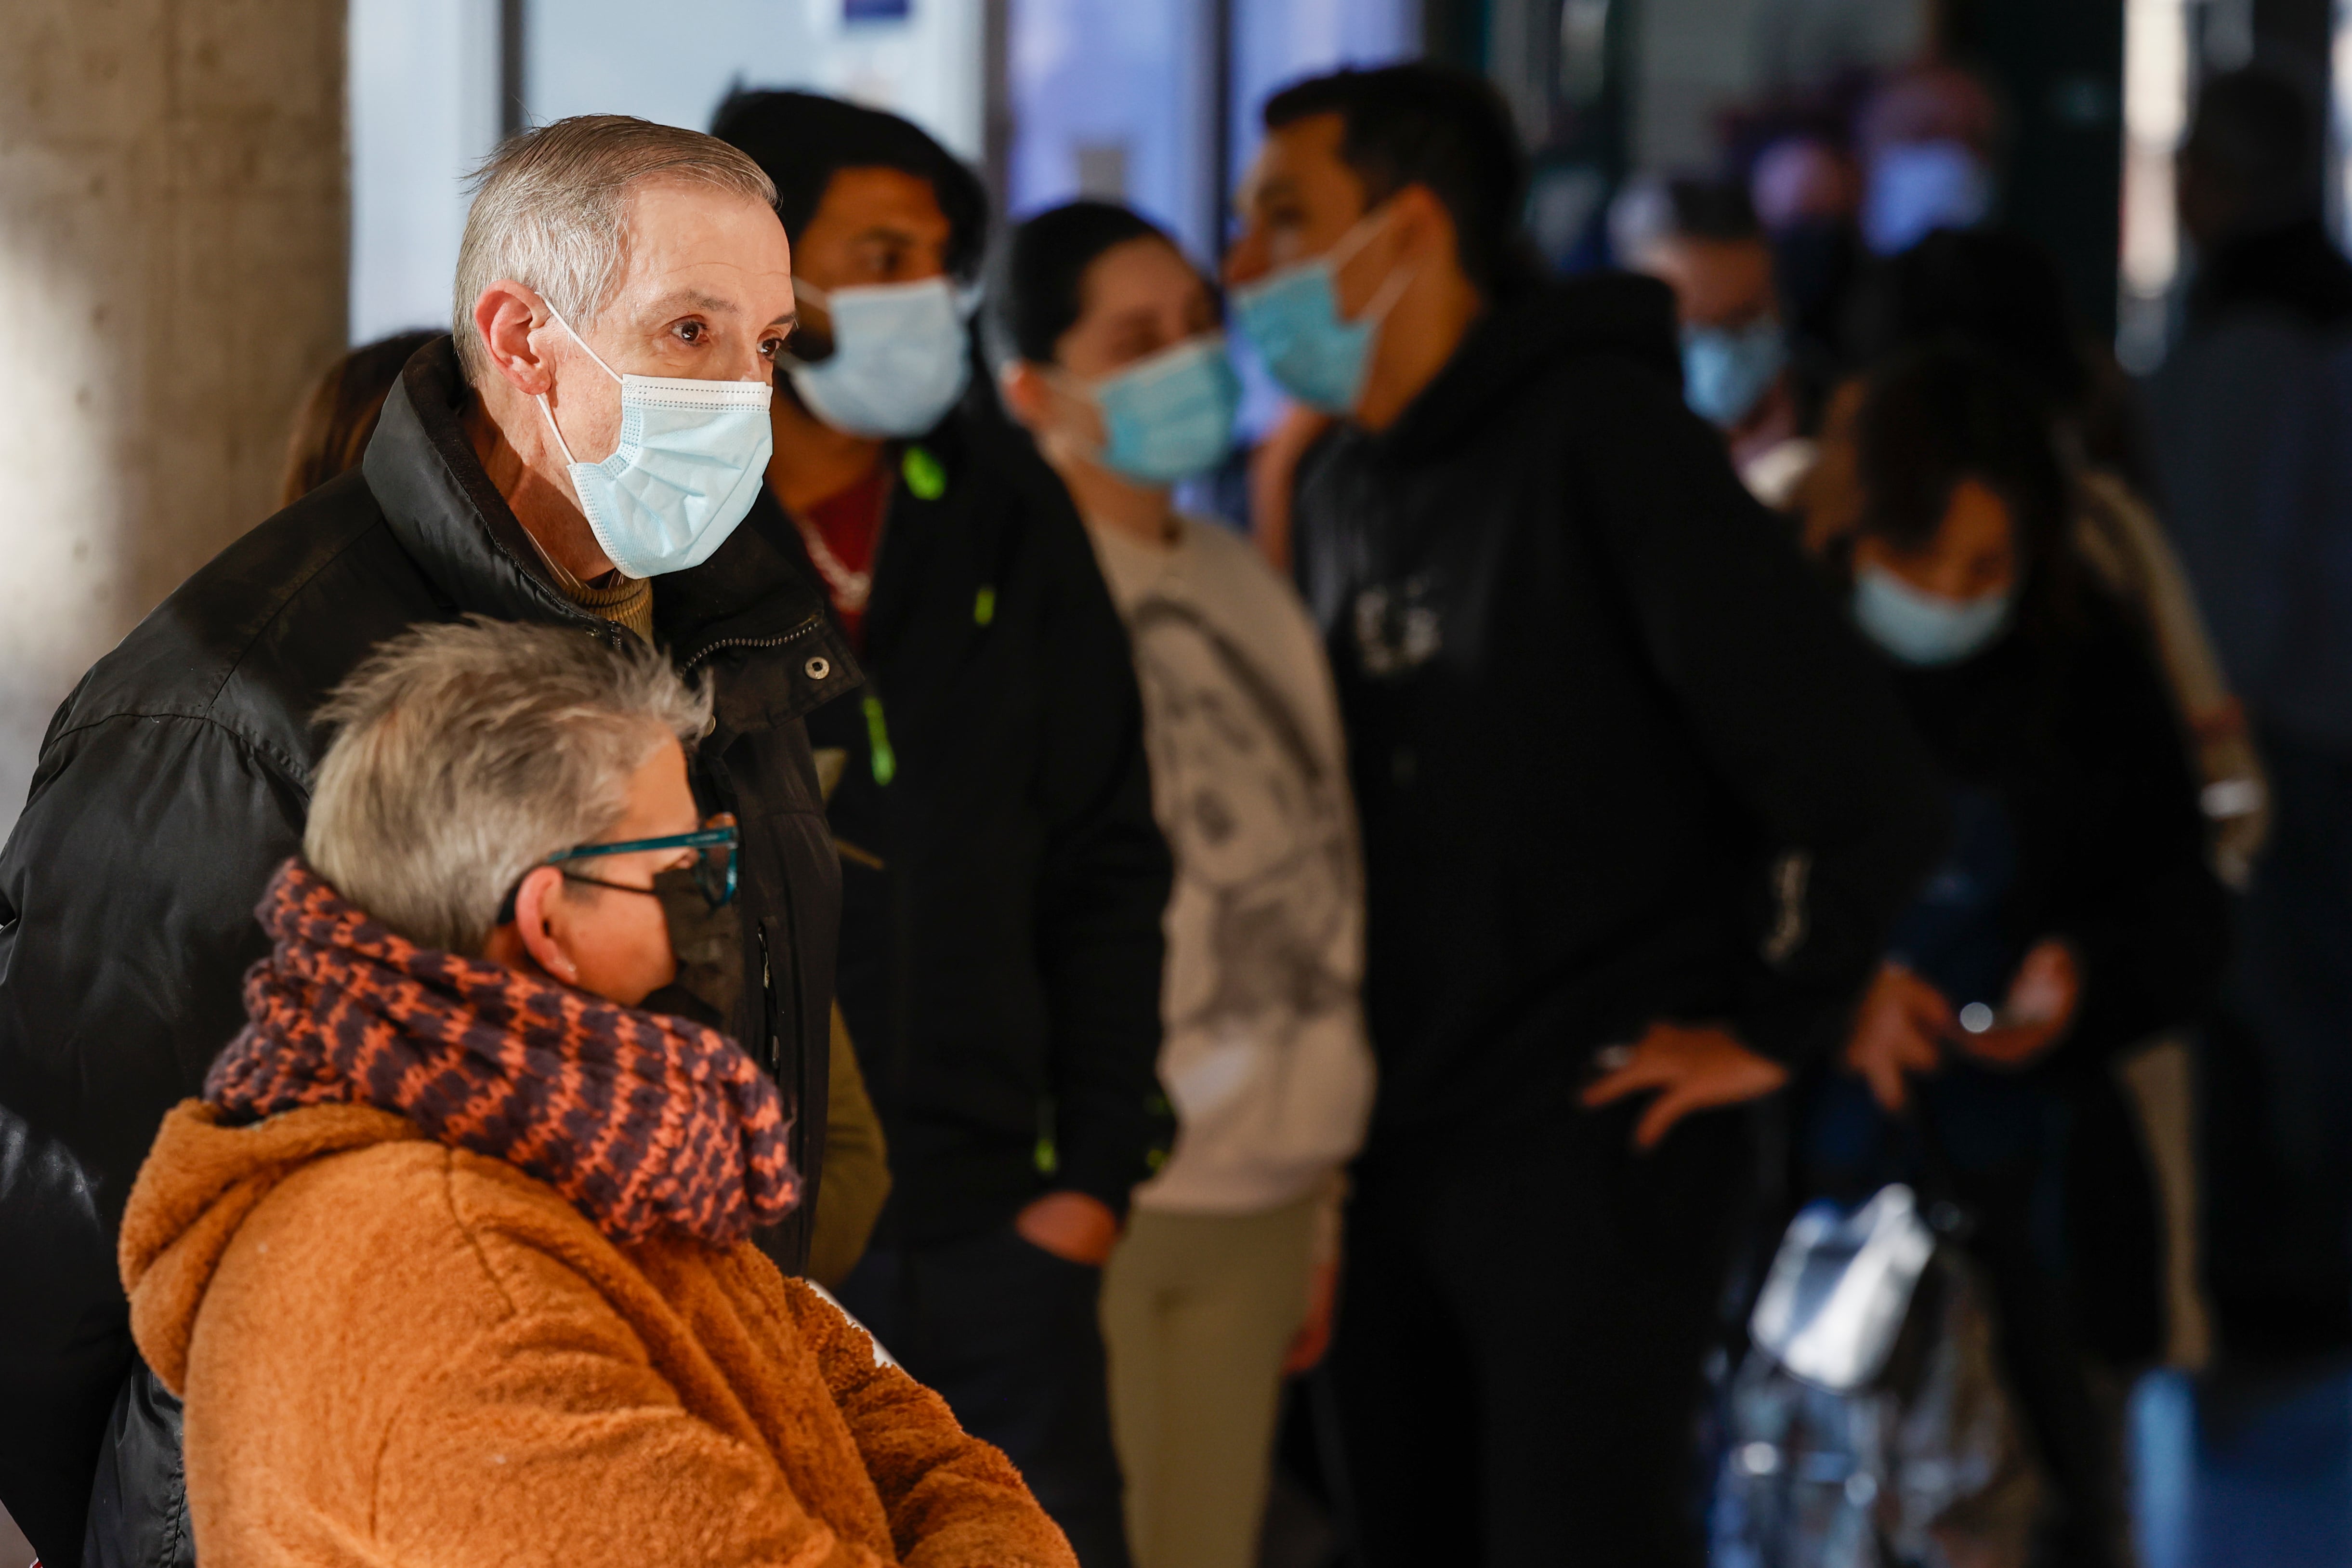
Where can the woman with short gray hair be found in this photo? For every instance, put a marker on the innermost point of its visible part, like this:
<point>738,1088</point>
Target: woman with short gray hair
<point>450,1261</point>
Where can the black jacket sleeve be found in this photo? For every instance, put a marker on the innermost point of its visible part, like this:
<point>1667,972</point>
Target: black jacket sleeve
<point>128,885</point>
<point>1794,717</point>
<point>1104,887</point>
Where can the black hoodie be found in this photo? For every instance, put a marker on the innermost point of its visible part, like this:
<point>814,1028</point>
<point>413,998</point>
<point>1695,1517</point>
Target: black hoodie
<point>1619,755</point>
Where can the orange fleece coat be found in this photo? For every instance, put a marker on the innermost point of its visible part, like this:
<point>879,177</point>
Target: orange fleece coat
<point>393,1352</point>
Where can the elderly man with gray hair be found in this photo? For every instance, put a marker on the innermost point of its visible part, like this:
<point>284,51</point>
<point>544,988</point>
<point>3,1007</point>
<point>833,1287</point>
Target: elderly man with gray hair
<point>578,455</point>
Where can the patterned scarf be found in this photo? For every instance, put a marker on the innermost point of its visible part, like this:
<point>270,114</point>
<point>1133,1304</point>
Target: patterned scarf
<point>642,1121</point>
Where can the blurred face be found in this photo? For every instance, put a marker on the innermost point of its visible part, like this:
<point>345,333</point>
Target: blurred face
<point>1137,298</point>
<point>1973,556</point>
<point>611,940</point>
<point>1718,283</point>
<point>706,294</point>
<point>1299,200</point>
<point>873,226</point>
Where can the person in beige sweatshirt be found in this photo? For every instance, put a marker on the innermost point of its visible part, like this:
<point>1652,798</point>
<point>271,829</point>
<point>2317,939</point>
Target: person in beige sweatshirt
<point>1224,1279</point>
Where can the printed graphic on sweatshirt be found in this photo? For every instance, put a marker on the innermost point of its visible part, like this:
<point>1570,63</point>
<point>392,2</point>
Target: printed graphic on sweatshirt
<point>1261,922</point>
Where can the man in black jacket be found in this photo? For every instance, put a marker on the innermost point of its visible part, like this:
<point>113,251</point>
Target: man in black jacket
<point>1636,811</point>
<point>1003,876</point>
<point>176,778</point>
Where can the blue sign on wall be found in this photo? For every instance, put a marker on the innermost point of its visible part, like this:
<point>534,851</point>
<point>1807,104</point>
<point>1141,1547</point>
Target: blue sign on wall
<point>876,10</point>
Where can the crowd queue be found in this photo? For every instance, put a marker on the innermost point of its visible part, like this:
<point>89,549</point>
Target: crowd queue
<point>734,940</point>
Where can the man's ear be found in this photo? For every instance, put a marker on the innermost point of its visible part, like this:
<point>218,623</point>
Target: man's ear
<point>541,923</point>
<point>1422,228</point>
<point>1024,393</point>
<point>507,315</point>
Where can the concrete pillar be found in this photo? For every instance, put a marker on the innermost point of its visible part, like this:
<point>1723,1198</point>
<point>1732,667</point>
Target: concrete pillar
<point>172,221</point>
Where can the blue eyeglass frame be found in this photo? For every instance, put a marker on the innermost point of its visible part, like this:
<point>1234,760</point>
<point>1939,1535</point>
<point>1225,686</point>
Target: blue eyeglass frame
<point>726,833</point>
<point>729,835</point>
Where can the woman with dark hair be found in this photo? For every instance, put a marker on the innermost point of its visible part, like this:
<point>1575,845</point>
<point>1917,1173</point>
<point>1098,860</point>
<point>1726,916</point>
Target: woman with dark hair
<point>339,413</point>
<point>1224,1279</point>
<point>2073,915</point>
<point>2002,293</point>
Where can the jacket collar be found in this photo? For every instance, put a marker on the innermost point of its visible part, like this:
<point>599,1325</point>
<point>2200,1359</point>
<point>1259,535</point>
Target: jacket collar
<point>1520,337</point>
<point>452,522</point>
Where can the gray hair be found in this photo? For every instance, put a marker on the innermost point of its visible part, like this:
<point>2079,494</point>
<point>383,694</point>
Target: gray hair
<point>467,753</point>
<point>552,205</point>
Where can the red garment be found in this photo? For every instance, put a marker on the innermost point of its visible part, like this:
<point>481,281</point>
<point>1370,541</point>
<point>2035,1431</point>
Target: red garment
<point>842,532</point>
<point>646,1122</point>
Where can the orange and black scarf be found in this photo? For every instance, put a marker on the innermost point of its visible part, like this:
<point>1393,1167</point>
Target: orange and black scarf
<point>642,1121</point>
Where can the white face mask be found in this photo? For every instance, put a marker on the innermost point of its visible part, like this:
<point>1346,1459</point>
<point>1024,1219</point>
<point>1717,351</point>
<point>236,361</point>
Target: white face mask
<point>898,358</point>
<point>692,457</point>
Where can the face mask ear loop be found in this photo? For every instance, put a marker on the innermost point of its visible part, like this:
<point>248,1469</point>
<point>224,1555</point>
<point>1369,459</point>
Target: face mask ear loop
<point>561,445</point>
<point>1389,293</point>
<point>557,316</point>
<point>1079,390</point>
<point>1392,288</point>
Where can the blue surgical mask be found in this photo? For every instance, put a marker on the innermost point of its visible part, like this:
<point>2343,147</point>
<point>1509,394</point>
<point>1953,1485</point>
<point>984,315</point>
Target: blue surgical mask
<point>1728,371</point>
<point>1169,416</point>
<point>1923,628</point>
<point>899,360</point>
<point>1914,188</point>
<point>1291,318</point>
<point>692,457</point>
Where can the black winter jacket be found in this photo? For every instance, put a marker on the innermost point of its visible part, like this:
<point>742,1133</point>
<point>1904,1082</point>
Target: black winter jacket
<point>1000,965</point>
<point>2066,724</point>
<point>173,781</point>
<point>1618,755</point>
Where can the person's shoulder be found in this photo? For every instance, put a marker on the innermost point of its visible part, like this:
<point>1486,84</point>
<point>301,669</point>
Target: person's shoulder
<point>1229,561</point>
<point>370,1213</point>
<point>512,1231</point>
<point>256,636</point>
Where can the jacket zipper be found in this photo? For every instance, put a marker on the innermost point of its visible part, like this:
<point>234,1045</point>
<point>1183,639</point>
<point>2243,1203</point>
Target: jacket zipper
<point>793,635</point>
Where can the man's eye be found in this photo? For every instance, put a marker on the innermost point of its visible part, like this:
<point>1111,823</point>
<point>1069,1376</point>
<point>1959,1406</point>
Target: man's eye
<point>691,332</point>
<point>770,347</point>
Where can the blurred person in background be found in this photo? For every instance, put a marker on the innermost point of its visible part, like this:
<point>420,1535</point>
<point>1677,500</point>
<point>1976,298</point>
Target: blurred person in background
<point>2073,915</point>
<point>1636,811</point>
<point>330,433</point>
<point>338,414</point>
<point>1225,1279</point>
<point>1701,238</point>
<point>1927,138</point>
<point>2251,420</point>
<point>1003,876</point>
<point>1807,190</point>
<point>178,776</point>
<point>450,1259</point>
<point>2002,293</point>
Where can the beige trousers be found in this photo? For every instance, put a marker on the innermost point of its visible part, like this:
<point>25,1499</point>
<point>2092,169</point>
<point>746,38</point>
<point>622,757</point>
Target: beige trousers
<point>1198,1312</point>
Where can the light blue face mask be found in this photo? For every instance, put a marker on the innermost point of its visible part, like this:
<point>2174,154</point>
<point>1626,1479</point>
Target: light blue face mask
<point>898,359</point>
<point>1170,415</point>
<point>1922,628</point>
<point>1728,371</point>
<point>692,457</point>
<point>1914,188</point>
<point>1291,318</point>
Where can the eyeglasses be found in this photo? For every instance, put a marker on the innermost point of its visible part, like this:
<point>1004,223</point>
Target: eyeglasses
<point>715,845</point>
